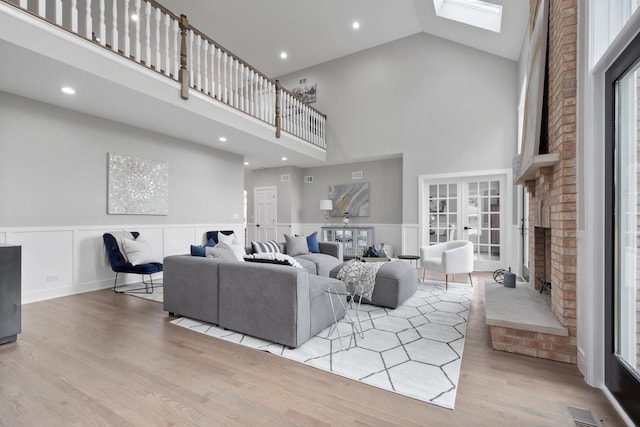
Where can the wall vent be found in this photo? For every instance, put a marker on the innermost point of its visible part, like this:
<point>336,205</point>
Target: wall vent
<point>308,179</point>
<point>356,175</point>
<point>580,417</point>
<point>284,178</point>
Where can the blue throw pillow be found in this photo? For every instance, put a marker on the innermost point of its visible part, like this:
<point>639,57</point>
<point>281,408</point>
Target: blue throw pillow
<point>197,250</point>
<point>211,243</point>
<point>312,242</point>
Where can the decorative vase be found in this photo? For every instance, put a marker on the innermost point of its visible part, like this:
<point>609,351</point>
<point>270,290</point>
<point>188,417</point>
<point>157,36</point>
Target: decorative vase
<point>382,253</point>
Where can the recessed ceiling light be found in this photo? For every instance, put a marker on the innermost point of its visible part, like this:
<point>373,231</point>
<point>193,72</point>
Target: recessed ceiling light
<point>283,55</point>
<point>222,139</point>
<point>284,159</point>
<point>68,90</point>
<point>134,17</point>
<point>355,25</point>
<point>246,163</point>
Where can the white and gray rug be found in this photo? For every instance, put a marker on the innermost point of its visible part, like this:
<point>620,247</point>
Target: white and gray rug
<point>414,350</point>
<point>137,290</point>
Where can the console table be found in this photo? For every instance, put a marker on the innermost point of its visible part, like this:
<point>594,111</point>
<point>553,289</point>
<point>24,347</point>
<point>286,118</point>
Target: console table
<point>10,293</point>
<point>354,239</point>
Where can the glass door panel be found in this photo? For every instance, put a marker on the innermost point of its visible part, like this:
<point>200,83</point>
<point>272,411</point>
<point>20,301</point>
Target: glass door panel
<point>626,292</point>
<point>483,212</point>
<point>470,209</point>
<point>622,243</point>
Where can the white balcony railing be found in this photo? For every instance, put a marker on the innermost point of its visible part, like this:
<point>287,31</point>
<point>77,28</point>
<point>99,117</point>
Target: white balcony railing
<point>154,37</point>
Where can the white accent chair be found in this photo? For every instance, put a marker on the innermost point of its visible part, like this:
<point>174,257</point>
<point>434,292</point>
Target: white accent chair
<point>454,257</point>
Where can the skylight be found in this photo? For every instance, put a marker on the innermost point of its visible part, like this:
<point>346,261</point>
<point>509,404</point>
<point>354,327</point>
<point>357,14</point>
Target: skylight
<point>478,13</point>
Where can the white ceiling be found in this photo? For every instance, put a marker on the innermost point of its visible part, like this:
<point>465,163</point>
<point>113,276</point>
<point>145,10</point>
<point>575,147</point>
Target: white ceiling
<point>316,31</point>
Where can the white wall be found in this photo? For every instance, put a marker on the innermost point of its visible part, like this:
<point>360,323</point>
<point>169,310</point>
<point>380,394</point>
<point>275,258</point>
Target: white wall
<point>53,188</point>
<point>443,106</point>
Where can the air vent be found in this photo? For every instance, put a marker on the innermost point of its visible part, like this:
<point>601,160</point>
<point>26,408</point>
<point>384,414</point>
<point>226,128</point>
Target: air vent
<point>580,417</point>
<point>284,178</point>
<point>308,179</point>
<point>356,175</point>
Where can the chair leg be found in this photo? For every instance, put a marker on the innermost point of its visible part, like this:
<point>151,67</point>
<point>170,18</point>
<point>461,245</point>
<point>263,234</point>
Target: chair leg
<point>115,282</point>
<point>423,271</point>
<point>446,282</point>
<point>470,279</point>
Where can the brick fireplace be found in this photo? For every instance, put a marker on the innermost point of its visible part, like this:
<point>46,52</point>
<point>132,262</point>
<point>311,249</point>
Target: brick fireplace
<point>552,198</point>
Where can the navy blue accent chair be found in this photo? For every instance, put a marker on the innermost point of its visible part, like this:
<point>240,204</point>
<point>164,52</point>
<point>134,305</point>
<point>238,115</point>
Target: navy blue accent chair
<point>214,235</point>
<point>120,265</point>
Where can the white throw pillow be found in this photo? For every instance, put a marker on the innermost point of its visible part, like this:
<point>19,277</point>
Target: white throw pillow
<point>138,251</point>
<point>229,240</point>
<point>226,252</point>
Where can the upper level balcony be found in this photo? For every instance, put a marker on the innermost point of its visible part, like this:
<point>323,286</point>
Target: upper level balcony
<point>136,62</point>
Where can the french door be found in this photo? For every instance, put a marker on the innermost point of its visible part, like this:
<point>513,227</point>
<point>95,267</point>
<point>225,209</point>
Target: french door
<point>622,242</point>
<point>467,208</point>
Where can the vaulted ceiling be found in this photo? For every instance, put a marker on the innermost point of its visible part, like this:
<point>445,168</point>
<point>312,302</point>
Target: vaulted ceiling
<point>316,31</point>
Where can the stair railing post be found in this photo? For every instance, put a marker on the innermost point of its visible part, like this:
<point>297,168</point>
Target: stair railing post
<point>183,76</point>
<point>278,118</point>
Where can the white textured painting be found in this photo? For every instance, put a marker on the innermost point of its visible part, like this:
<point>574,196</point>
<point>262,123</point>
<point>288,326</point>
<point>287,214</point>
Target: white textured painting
<point>137,186</point>
<point>350,198</point>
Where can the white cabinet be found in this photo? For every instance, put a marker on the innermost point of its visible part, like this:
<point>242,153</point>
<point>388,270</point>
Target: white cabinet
<point>355,240</point>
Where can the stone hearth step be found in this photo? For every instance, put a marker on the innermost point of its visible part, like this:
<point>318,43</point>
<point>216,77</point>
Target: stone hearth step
<point>520,308</point>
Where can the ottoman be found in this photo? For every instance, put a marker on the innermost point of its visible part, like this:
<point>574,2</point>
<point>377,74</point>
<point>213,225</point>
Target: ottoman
<point>395,282</point>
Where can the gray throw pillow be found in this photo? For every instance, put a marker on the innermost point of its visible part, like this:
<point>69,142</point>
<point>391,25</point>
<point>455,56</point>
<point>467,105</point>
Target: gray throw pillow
<point>296,245</point>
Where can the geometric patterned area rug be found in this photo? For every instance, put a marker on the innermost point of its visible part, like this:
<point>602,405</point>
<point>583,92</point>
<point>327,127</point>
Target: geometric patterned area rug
<point>134,291</point>
<point>414,350</point>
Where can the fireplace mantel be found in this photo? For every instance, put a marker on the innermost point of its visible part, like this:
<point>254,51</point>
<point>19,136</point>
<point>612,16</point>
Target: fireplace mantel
<point>528,172</point>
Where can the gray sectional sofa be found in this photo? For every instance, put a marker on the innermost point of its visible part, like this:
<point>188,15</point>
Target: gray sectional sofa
<point>282,304</point>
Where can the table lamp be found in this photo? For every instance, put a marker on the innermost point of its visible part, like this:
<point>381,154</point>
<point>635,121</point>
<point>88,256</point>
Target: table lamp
<point>326,206</point>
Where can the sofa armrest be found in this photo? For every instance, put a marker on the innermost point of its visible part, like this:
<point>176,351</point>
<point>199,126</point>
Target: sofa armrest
<point>191,287</point>
<point>331,248</point>
<point>267,301</point>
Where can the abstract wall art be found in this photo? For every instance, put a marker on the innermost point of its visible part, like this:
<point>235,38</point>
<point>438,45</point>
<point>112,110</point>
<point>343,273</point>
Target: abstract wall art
<point>350,198</point>
<point>137,186</point>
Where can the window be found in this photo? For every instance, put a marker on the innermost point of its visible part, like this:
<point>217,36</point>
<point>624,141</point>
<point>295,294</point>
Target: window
<point>481,14</point>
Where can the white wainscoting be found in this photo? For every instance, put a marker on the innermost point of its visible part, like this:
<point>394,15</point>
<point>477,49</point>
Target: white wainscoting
<point>61,261</point>
<point>411,239</point>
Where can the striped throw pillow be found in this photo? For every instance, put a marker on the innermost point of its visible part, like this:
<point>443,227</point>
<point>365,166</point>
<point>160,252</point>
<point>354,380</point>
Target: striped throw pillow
<point>264,247</point>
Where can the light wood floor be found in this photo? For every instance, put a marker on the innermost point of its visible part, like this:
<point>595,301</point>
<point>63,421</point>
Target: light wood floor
<point>113,360</point>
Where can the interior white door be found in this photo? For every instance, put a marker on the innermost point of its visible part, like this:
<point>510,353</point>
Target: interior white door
<point>266,209</point>
<point>468,208</point>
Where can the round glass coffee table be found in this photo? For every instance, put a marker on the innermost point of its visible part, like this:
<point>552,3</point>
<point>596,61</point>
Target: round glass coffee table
<point>345,298</point>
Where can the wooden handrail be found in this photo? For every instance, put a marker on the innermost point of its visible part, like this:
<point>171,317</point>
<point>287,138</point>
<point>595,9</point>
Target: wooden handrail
<point>246,88</point>
<point>164,9</point>
<point>233,55</point>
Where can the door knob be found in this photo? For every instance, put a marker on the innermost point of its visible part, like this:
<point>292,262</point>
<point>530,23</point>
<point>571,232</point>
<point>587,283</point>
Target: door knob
<point>467,228</point>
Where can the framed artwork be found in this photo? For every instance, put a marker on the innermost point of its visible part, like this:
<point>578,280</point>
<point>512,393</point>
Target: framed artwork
<point>137,186</point>
<point>306,91</point>
<point>350,198</point>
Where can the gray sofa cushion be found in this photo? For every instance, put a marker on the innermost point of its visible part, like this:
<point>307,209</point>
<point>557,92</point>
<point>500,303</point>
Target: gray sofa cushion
<point>308,265</point>
<point>323,262</point>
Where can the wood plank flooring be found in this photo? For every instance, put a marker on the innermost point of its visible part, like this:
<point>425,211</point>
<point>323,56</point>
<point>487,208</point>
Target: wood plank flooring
<point>106,359</point>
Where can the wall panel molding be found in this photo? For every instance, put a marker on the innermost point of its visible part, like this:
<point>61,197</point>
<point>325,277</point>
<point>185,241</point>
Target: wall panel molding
<point>62,261</point>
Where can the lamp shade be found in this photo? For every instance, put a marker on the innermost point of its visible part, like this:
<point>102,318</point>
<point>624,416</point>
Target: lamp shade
<point>326,205</point>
